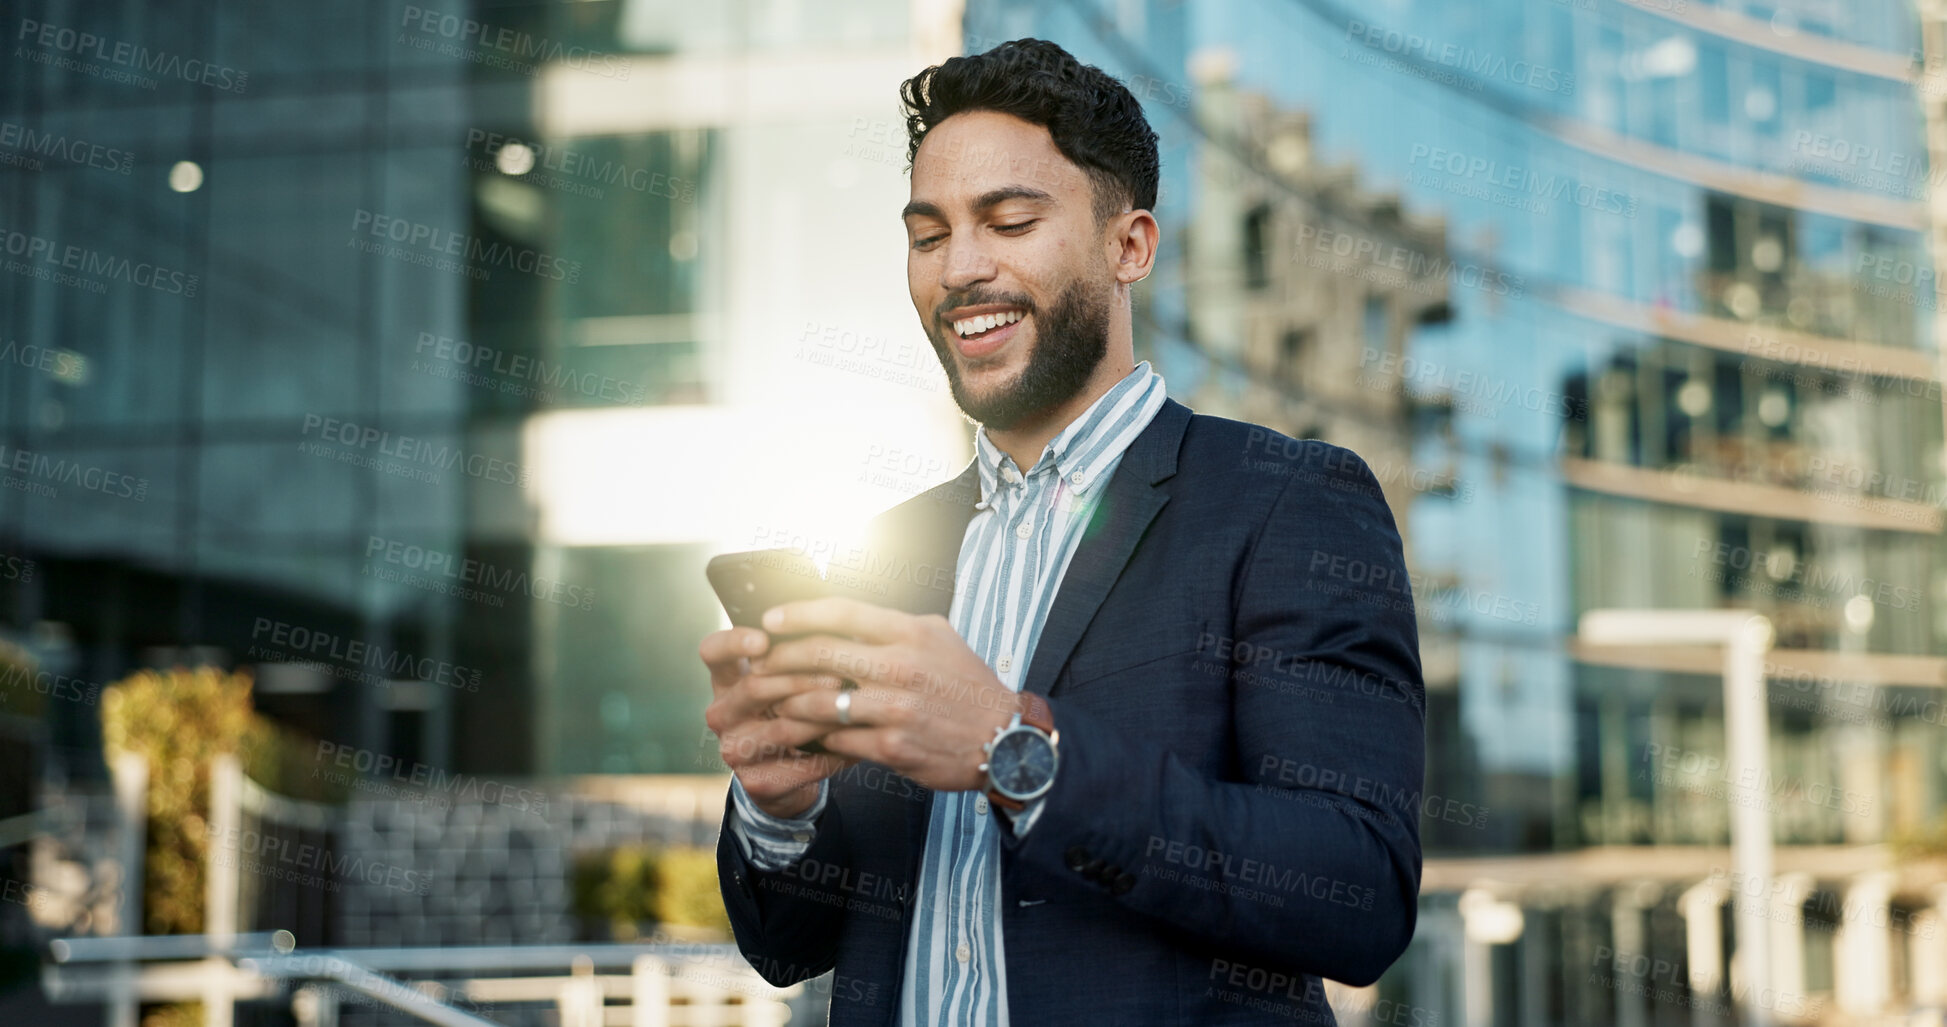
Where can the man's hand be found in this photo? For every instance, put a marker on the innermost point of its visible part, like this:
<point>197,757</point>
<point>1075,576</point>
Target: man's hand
<point>759,746</point>
<point>925,706</point>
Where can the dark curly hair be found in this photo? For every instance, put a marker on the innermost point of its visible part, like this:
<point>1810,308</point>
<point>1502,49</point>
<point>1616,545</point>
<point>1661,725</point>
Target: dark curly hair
<point>1095,121</point>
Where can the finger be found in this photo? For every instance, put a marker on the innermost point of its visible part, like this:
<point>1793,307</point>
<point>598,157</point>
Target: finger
<point>761,692</point>
<point>857,743</point>
<point>839,616</point>
<point>722,650</point>
<point>768,741</point>
<point>871,705</point>
<point>829,654</point>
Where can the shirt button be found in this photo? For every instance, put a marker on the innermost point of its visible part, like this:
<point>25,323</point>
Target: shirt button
<point>1078,479</point>
<point>801,836</point>
<point>1004,664</point>
<point>963,953</point>
<point>1024,530</point>
<point>980,805</point>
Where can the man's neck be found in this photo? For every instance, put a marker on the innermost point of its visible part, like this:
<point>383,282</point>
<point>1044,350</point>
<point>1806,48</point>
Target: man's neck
<point>1025,441</point>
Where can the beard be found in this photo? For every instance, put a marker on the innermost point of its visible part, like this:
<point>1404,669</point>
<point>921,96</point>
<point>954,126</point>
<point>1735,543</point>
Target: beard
<point>1070,339</point>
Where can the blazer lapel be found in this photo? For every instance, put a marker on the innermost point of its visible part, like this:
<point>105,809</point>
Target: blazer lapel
<point>1130,502</point>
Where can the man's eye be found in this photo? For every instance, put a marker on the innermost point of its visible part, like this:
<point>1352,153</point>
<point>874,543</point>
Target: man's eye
<point>1016,225</point>
<point>920,244</point>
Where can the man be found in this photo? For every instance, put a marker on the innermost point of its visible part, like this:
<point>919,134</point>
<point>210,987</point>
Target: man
<point>1149,753</point>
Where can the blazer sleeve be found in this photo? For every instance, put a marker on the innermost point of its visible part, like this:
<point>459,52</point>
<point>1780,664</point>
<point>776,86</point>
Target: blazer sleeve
<point>781,926</point>
<point>1311,857</point>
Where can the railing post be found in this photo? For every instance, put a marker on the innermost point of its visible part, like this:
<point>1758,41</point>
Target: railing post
<point>131,777</point>
<point>223,879</point>
<point>650,997</point>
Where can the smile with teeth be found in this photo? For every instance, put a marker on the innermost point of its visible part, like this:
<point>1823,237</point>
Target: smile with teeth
<point>973,326</point>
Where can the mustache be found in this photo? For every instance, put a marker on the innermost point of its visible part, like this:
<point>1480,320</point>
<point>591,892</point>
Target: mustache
<point>980,299</point>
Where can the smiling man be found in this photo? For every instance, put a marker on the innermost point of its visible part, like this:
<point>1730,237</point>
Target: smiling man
<point>1154,755</point>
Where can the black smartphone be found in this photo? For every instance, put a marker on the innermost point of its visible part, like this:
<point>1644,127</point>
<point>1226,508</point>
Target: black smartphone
<point>749,583</point>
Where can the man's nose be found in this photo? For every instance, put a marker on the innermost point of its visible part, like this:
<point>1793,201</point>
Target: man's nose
<point>966,263</point>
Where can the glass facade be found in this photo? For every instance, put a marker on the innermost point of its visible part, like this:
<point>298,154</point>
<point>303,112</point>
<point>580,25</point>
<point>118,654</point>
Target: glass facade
<point>1690,365</point>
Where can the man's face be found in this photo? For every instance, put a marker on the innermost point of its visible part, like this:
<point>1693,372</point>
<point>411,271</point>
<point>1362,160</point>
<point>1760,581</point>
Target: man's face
<point>1010,274</point>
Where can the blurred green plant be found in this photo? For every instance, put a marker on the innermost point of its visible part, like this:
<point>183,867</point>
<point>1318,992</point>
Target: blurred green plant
<point>1920,842</point>
<point>178,720</point>
<point>673,887</point>
<point>174,1014</point>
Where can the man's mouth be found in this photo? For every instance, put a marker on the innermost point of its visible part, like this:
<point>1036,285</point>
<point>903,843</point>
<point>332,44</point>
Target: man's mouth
<point>983,332</point>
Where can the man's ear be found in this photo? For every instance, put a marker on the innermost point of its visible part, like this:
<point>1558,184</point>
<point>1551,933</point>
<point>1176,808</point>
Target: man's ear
<point>1134,239</point>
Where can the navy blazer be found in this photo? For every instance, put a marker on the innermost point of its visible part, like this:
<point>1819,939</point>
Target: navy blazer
<point>1234,671</point>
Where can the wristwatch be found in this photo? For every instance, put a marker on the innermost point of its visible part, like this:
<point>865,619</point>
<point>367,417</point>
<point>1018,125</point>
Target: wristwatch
<point>1022,757</point>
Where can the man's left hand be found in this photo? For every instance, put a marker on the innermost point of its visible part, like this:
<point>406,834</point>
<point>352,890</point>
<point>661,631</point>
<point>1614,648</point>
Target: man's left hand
<point>926,703</point>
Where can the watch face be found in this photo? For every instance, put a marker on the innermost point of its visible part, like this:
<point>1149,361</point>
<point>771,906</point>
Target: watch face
<point>1022,764</point>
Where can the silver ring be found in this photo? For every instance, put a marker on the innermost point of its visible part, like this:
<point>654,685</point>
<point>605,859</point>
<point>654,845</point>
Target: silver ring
<point>845,708</point>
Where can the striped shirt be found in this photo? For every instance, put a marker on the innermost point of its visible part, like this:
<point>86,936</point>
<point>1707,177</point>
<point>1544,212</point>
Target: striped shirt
<point>1017,547</point>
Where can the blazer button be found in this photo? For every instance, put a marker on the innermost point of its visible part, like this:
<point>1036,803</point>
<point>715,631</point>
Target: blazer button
<point>1092,869</point>
<point>1076,857</point>
<point>1123,882</point>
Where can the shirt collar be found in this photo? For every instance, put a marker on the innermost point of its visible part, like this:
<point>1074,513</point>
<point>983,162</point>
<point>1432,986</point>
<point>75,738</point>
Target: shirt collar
<point>1082,450</point>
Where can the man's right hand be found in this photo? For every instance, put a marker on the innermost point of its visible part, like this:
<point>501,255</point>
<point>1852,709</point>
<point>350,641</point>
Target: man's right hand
<point>758,746</point>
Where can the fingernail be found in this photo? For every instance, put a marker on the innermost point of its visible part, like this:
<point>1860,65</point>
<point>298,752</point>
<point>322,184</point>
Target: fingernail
<point>773,619</point>
<point>754,644</point>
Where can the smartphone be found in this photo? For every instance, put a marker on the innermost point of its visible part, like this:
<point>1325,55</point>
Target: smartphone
<point>749,583</point>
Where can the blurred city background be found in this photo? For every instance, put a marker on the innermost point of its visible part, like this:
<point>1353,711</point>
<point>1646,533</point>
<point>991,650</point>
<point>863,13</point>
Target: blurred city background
<point>377,378</point>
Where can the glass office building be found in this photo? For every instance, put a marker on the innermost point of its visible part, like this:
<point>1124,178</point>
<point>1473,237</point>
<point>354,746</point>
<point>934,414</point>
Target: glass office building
<point>399,353</point>
<point>1690,364</point>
